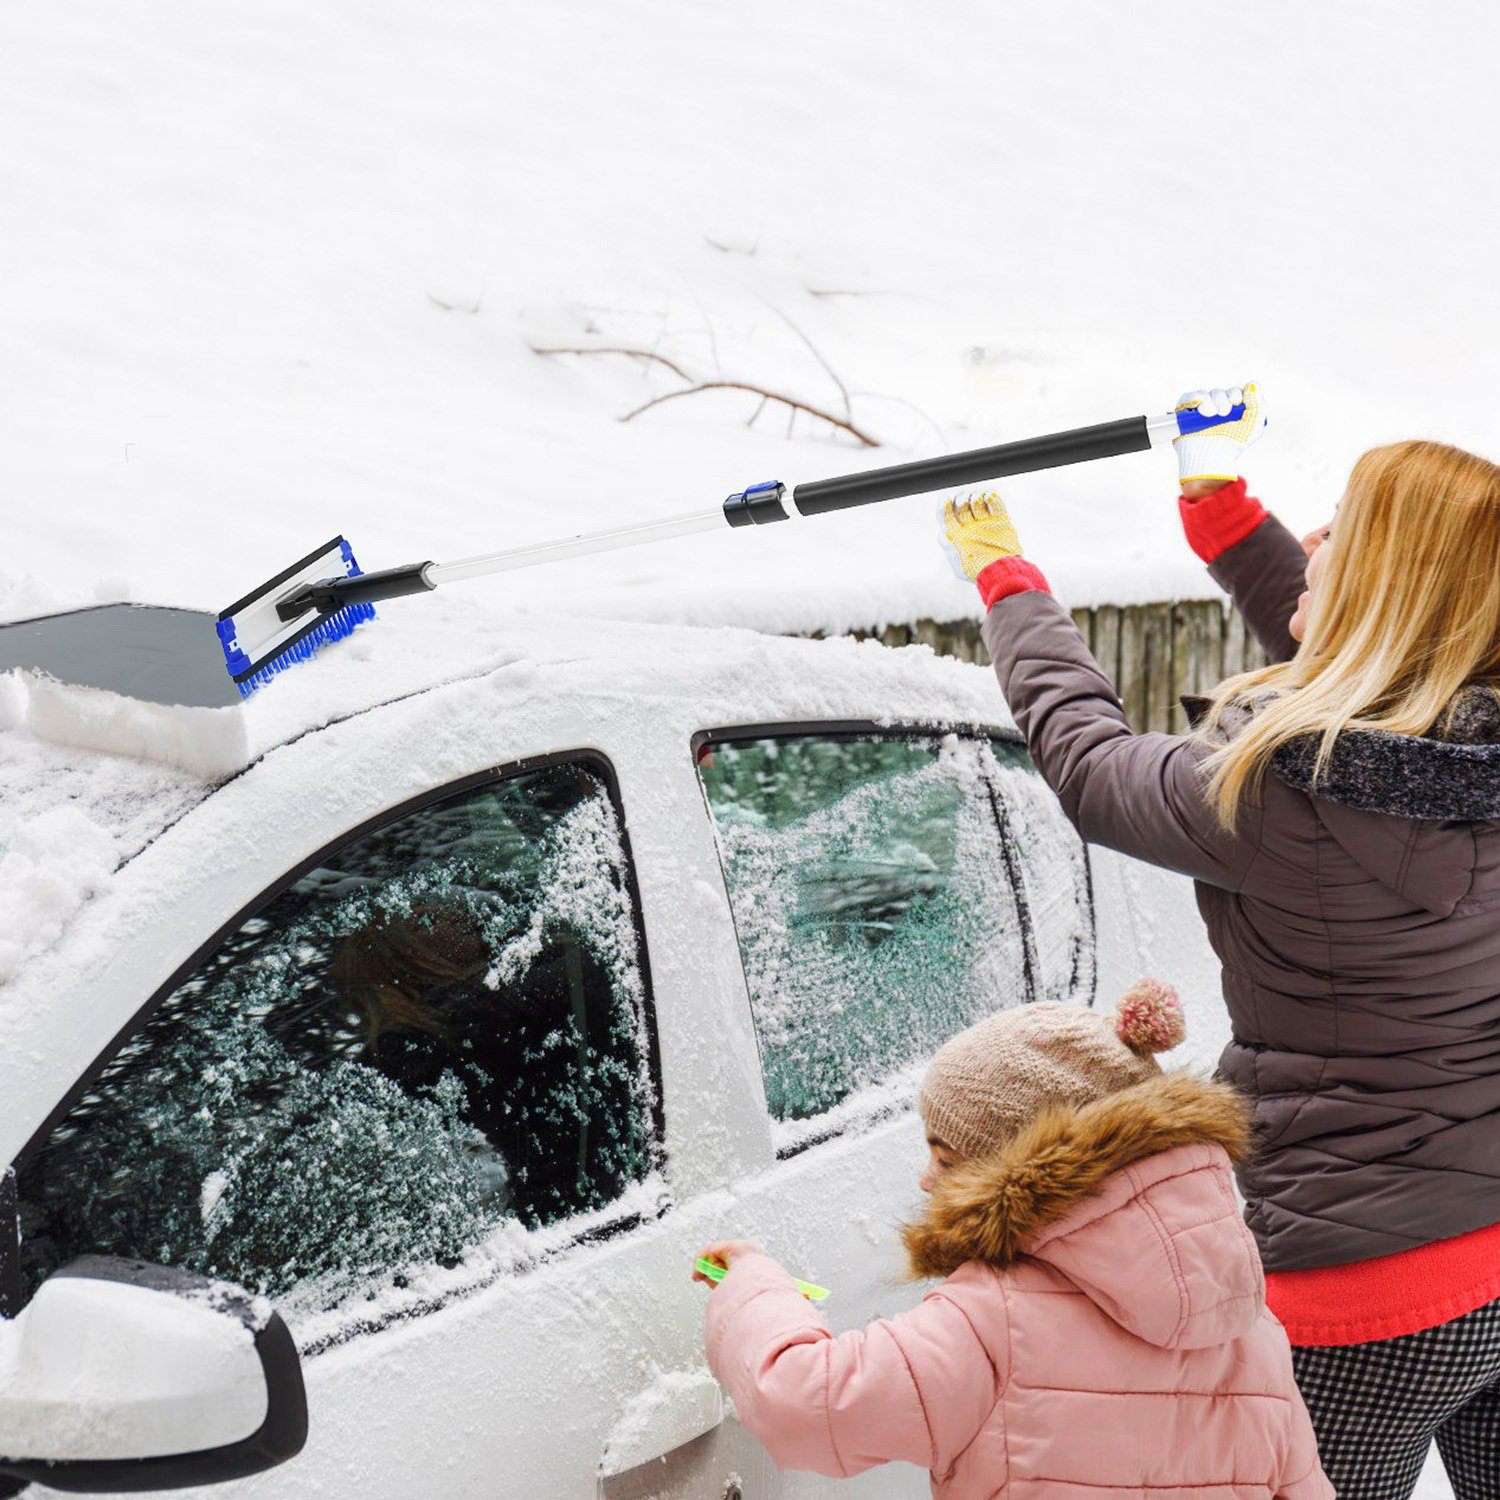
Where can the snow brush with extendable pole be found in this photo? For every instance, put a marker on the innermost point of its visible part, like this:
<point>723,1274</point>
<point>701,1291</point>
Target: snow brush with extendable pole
<point>325,595</point>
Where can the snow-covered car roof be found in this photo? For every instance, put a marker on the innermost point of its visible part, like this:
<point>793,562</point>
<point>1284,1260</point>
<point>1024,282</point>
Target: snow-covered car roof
<point>131,831</point>
<point>149,683</point>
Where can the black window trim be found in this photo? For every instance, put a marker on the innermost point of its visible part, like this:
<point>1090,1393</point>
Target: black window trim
<point>850,729</point>
<point>594,760</point>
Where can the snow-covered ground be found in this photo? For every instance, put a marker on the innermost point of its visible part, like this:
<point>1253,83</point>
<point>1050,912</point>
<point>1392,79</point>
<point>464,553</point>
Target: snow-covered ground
<point>269,271</point>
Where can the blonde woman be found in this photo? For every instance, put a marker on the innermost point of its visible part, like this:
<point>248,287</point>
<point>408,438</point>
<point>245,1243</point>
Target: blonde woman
<point>1340,813</point>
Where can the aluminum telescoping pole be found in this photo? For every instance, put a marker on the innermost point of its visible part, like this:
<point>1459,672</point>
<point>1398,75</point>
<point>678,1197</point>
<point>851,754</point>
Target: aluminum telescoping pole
<point>586,543</point>
<point>764,504</point>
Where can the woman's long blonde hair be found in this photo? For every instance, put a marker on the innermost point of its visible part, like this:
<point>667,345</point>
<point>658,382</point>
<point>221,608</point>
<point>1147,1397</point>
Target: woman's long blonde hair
<point>1406,614</point>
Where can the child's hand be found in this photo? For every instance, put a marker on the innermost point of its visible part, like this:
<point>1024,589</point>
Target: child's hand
<point>724,1253</point>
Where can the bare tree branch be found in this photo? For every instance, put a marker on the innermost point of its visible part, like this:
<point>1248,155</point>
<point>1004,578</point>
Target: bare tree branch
<point>457,306</point>
<point>731,249</point>
<point>647,354</point>
<point>693,387</point>
<point>790,402</point>
<point>708,326</point>
<point>912,406</point>
<point>817,354</point>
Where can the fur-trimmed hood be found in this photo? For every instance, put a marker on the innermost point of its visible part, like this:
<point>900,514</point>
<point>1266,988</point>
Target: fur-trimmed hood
<point>1451,774</point>
<point>1129,1197</point>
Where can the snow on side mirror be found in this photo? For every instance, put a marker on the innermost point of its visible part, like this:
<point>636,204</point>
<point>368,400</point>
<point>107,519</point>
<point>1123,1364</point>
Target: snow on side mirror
<point>123,1376</point>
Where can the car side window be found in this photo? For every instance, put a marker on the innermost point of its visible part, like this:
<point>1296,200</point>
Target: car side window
<point>431,1043</point>
<point>887,892</point>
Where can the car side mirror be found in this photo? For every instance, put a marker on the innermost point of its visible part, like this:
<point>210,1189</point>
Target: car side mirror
<point>123,1376</point>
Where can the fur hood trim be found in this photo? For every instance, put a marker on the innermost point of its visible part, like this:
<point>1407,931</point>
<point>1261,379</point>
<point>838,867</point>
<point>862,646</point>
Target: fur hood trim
<point>1452,774</point>
<point>990,1209</point>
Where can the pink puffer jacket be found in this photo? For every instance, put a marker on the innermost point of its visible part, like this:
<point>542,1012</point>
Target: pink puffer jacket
<point>1103,1336</point>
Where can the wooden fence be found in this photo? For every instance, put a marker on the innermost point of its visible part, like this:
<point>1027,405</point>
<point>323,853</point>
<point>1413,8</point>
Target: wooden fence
<point>1154,653</point>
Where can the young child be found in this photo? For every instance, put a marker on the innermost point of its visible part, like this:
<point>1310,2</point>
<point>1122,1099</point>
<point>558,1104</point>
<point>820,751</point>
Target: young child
<point>1102,1330</point>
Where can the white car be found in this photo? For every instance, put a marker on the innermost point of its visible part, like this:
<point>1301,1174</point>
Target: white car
<point>451,994</point>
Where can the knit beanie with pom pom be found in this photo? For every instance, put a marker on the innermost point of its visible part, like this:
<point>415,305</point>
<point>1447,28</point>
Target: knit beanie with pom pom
<point>993,1079</point>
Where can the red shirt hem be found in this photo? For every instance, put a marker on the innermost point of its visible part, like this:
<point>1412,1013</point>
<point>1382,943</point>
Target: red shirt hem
<point>1371,1300</point>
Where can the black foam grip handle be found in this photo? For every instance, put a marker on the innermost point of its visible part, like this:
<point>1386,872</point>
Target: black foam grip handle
<point>1107,440</point>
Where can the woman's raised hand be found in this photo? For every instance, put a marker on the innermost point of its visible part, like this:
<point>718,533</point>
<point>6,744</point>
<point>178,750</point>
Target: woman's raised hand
<point>1212,456</point>
<point>978,531</point>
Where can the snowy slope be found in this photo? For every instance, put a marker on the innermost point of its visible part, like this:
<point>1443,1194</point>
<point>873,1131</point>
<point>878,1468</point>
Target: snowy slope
<point>271,271</point>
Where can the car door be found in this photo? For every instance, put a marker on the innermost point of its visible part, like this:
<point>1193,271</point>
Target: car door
<point>412,1095</point>
<point>888,888</point>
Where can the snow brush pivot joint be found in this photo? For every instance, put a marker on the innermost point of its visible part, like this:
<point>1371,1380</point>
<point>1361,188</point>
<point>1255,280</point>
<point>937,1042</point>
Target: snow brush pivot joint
<point>327,595</point>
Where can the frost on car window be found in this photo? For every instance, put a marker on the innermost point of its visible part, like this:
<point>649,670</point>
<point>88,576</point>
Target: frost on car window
<point>876,900</point>
<point>439,1030</point>
<point>1054,875</point>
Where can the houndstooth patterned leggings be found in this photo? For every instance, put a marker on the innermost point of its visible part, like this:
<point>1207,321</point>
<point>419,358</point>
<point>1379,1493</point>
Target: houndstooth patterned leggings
<point>1376,1408</point>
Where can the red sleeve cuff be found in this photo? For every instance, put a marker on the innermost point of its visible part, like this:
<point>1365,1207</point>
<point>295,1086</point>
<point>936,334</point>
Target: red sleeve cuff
<point>1221,520</point>
<point>1007,576</point>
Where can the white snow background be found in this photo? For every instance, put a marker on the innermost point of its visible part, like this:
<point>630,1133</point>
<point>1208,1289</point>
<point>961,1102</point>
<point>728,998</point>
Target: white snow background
<point>271,271</point>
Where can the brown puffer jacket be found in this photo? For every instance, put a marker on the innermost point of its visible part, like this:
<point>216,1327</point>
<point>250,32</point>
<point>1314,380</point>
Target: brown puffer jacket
<point>1358,926</point>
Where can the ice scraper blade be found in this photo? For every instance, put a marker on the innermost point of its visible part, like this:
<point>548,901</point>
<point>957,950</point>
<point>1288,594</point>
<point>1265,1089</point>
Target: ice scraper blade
<point>716,1273</point>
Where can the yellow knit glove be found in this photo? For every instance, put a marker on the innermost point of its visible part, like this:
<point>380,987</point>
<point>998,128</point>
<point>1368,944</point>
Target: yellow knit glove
<point>978,531</point>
